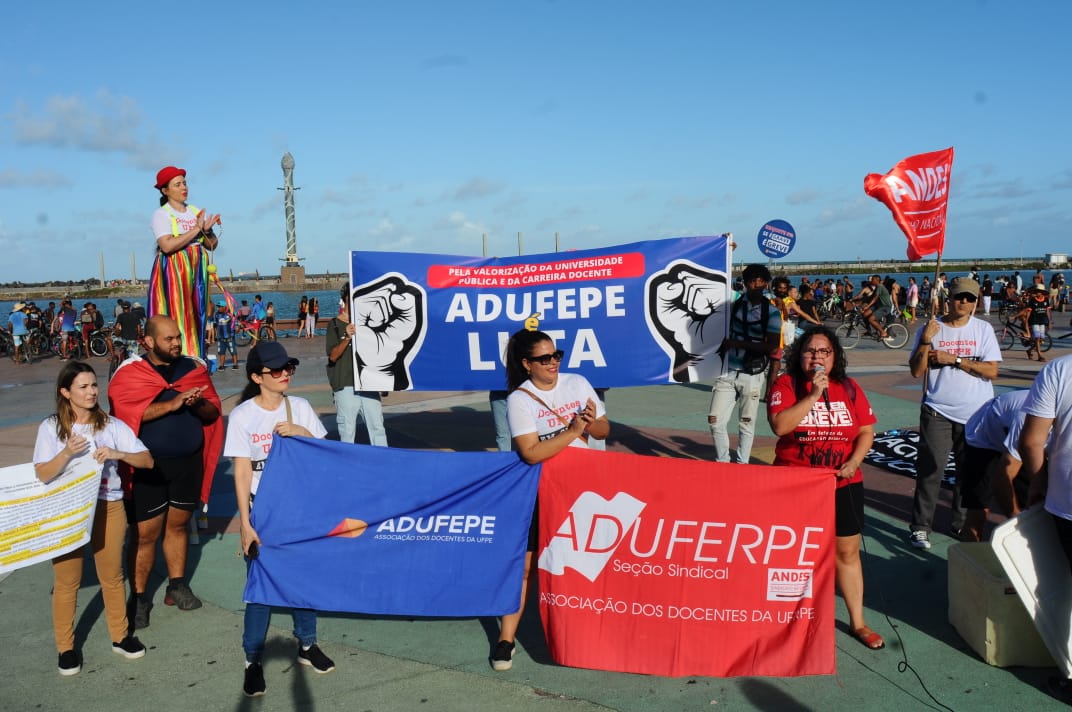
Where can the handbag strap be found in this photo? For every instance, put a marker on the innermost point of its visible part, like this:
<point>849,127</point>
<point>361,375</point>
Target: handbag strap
<point>290,414</point>
<point>533,396</point>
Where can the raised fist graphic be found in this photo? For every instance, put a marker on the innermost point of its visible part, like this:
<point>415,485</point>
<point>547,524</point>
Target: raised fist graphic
<point>389,322</point>
<point>686,311</point>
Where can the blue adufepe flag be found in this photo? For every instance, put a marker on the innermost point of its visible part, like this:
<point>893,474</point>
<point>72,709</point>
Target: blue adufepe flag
<point>377,530</point>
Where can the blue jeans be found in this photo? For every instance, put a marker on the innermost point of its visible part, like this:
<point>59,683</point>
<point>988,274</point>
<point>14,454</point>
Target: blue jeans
<point>503,441</point>
<point>255,628</point>
<point>350,406</point>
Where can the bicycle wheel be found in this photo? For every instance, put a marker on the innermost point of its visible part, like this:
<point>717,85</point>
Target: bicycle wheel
<point>266,334</point>
<point>896,336</point>
<point>1047,342</point>
<point>243,337</point>
<point>1008,339</point>
<point>98,345</point>
<point>38,345</point>
<point>848,334</point>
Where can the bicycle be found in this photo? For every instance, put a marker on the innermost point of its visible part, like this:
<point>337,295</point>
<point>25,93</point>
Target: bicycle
<point>252,331</point>
<point>99,342</point>
<point>76,350</point>
<point>120,349</point>
<point>27,351</point>
<point>830,307</point>
<point>856,324</point>
<point>1011,331</point>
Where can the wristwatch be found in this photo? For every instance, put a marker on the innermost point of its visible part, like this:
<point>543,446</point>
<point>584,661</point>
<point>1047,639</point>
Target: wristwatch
<point>958,361</point>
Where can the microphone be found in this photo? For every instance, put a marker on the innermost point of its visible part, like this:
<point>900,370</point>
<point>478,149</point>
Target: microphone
<point>819,368</point>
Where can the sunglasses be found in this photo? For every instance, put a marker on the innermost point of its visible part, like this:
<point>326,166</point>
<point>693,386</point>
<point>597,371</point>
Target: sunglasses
<point>278,372</point>
<point>965,298</point>
<point>546,359</point>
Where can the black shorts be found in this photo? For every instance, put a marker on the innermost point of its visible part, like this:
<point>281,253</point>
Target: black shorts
<point>534,529</point>
<point>975,486</point>
<point>849,509</point>
<point>173,482</point>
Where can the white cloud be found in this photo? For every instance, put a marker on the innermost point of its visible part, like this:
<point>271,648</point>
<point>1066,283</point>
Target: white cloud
<point>14,178</point>
<point>104,124</point>
<point>476,188</point>
<point>852,209</point>
<point>802,196</point>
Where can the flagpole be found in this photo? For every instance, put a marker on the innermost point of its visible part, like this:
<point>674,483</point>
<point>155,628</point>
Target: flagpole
<point>934,286</point>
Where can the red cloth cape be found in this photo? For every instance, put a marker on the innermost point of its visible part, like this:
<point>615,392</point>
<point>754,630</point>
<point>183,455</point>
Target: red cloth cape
<point>136,384</point>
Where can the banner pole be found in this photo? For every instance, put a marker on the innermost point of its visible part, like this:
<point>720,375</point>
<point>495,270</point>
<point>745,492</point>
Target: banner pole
<point>934,285</point>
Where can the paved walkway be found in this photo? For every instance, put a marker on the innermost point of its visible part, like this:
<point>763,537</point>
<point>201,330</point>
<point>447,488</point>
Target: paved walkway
<point>195,661</point>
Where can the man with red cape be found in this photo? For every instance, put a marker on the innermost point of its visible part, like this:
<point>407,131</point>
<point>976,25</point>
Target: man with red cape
<point>167,399</point>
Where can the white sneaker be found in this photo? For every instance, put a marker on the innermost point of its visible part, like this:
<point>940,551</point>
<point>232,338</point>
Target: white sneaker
<point>919,539</point>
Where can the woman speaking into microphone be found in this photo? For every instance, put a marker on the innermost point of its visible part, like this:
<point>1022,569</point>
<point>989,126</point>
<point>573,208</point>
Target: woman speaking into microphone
<point>822,419</point>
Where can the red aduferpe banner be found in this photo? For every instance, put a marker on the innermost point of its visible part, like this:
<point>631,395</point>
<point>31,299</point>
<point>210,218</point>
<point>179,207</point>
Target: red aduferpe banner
<point>681,567</point>
<point>916,191</point>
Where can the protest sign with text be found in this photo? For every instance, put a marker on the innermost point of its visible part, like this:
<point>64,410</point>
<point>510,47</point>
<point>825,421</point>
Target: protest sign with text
<point>639,314</point>
<point>679,567</point>
<point>39,521</point>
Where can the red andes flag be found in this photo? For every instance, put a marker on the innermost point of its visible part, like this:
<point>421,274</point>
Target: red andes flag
<point>916,191</point>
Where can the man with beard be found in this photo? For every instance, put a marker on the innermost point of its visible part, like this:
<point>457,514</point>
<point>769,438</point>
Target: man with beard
<point>169,401</point>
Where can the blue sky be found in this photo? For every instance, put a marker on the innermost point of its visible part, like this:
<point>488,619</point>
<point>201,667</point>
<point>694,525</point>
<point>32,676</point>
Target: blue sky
<point>420,126</point>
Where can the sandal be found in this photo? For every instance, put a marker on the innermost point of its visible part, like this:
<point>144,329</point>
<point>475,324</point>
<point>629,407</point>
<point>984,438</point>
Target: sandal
<point>869,638</point>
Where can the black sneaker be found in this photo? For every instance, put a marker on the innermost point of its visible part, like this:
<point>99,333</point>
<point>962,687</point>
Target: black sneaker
<point>70,663</point>
<point>1059,687</point>
<point>502,656</point>
<point>254,686</point>
<point>138,612</point>
<point>315,658</point>
<point>129,647</point>
<point>181,596</point>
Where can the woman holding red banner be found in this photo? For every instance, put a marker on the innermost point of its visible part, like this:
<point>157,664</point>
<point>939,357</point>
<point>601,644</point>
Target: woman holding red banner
<point>823,419</point>
<point>548,412</point>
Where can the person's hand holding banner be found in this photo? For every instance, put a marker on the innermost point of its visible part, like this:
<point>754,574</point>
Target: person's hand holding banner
<point>389,320</point>
<point>916,191</point>
<point>686,310</point>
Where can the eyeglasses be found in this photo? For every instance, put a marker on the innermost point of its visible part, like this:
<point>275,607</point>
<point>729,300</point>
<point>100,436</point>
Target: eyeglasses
<point>970,298</point>
<point>278,372</point>
<point>546,359</point>
<point>822,353</point>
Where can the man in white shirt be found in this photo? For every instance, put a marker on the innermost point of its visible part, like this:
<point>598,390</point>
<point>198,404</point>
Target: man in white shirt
<point>958,356</point>
<point>1049,404</point>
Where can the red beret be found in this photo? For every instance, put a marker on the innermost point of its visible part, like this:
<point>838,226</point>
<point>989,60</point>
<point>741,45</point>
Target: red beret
<point>166,174</point>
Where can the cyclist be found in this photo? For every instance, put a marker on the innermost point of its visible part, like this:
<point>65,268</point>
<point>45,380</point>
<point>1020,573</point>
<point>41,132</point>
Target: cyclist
<point>878,306</point>
<point>128,328</point>
<point>16,323</point>
<point>68,330</point>
<point>1038,317</point>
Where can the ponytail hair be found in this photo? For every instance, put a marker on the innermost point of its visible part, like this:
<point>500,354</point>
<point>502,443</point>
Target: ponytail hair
<point>518,348</point>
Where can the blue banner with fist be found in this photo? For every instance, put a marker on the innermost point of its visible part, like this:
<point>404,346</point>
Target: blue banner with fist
<point>645,313</point>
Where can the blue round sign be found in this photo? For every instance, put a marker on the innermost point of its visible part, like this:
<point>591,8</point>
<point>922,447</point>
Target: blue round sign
<point>776,239</point>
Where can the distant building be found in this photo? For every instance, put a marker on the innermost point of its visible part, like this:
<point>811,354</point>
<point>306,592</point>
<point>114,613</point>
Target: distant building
<point>1056,259</point>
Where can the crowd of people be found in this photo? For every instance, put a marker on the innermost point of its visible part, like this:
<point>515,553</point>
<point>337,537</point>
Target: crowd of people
<point>165,433</point>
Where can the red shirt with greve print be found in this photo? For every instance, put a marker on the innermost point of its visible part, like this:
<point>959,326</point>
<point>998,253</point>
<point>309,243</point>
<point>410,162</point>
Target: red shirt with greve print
<point>825,438</point>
